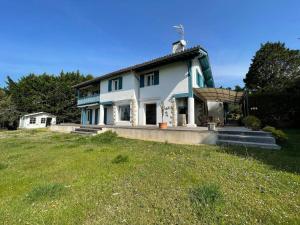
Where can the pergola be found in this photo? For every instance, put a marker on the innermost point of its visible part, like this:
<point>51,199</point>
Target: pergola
<point>220,95</point>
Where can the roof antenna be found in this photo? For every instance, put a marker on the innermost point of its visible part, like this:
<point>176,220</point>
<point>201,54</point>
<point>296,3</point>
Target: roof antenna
<point>180,30</point>
<point>179,46</point>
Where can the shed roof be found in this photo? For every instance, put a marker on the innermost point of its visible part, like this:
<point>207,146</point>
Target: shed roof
<point>38,113</point>
<point>219,94</point>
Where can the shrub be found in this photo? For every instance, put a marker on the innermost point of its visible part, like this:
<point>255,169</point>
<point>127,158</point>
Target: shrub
<point>206,195</point>
<point>88,150</point>
<point>106,137</point>
<point>3,166</point>
<point>43,192</point>
<point>279,135</point>
<point>120,159</point>
<point>205,200</point>
<point>252,122</point>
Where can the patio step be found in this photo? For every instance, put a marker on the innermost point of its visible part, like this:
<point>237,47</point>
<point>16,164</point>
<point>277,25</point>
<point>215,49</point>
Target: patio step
<point>245,133</point>
<point>249,144</point>
<point>247,138</point>
<point>87,130</point>
<point>259,139</point>
<point>82,133</point>
<point>94,127</point>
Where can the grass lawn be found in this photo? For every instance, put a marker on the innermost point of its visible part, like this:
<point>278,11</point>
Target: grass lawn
<point>52,178</point>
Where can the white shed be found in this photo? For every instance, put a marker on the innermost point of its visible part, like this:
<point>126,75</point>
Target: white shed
<point>37,120</point>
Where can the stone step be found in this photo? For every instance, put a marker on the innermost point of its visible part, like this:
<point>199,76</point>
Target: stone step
<point>87,130</point>
<point>245,133</point>
<point>248,144</point>
<point>83,133</point>
<point>247,138</point>
<point>94,127</point>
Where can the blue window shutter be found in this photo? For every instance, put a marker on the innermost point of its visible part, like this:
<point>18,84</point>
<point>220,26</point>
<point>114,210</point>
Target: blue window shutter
<point>109,85</point>
<point>156,78</point>
<point>198,79</point>
<point>142,80</point>
<point>120,82</point>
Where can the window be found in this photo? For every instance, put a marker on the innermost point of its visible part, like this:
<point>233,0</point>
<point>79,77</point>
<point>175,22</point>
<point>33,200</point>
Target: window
<point>115,84</point>
<point>32,120</point>
<point>43,120</point>
<point>149,79</point>
<point>124,112</point>
<point>200,81</point>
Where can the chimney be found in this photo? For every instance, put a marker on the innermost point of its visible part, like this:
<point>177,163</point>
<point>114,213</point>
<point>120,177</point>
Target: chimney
<point>178,46</point>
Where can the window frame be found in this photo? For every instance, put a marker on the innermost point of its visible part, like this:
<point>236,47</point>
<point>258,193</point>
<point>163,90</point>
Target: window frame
<point>149,77</point>
<point>120,112</point>
<point>32,120</point>
<point>114,84</point>
<point>43,120</point>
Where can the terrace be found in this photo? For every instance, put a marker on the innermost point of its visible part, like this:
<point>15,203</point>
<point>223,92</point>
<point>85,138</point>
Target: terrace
<point>88,95</point>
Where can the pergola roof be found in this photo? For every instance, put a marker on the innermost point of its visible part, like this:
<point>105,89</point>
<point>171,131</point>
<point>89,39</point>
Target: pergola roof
<point>219,94</point>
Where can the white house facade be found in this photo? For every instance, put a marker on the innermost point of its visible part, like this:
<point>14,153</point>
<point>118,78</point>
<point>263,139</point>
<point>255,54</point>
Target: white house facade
<point>37,120</point>
<point>133,96</point>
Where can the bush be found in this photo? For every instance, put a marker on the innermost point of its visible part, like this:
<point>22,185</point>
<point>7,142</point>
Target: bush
<point>3,166</point>
<point>206,195</point>
<point>252,122</point>
<point>105,138</point>
<point>279,135</point>
<point>120,159</point>
<point>44,192</point>
<point>205,200</point>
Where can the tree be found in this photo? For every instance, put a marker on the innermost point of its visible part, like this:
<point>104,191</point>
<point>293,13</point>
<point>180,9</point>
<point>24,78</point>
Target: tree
<point>274,67</point>
<point>48,93</point>
<point>8,111</point>
<point>238,88</point>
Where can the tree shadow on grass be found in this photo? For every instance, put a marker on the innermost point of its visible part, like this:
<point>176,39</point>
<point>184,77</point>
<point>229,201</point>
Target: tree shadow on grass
<point>286,159</point>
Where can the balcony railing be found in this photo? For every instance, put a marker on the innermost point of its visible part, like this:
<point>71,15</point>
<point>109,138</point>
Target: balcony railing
<point>88,99</point>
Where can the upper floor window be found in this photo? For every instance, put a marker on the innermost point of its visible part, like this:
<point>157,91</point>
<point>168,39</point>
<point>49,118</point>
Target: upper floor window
<point>115,84</point>
<point>200,80</point>
<point>149,79</point>
<point>43,120</point>
<point>32,120</point>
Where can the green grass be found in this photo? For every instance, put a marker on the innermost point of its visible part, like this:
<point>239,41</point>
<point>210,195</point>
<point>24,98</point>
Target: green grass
<point>52,178</point>
<point>45,192</point>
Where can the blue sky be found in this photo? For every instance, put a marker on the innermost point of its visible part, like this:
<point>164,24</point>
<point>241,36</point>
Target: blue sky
<point>97,37</point>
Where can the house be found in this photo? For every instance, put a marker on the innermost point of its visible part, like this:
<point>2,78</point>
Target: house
<point>37,120</point>
<point>132,96</point>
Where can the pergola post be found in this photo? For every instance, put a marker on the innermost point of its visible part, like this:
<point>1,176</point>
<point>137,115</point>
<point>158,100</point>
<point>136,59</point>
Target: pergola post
<point>191,112</point>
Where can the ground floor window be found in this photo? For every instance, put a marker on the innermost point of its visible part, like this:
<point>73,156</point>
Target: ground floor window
<point>124,112</point>
<point>32,120</point>
<point>43,120</point>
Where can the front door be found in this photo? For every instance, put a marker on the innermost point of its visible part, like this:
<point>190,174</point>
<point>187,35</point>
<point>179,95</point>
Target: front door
<point>151,114</point>
<point>96,116</point>
<point>89,116</point>
<point>48,121</point>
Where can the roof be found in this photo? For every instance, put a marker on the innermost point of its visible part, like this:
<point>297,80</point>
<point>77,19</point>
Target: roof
<point>38,113</point>
<point>186,54</point>
<point>219,94</point>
